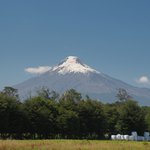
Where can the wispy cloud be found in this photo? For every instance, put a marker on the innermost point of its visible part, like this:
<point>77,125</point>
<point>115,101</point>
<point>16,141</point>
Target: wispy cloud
<point>143,80</point>
<point>38,70</point>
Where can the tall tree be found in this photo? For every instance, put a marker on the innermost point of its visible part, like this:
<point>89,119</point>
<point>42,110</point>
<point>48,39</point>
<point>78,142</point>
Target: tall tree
<point>112,115</point>
<point>131,118</point>
<point>42,116</point>
<point>70,99</point>
<point>147,117</point>
<point>72,95</point>
<point>122,95</point>
<point>10,91</point>
<point>92,119</point>
<point>12,117</point>
<point>68,123</point>
<point>47,94</point>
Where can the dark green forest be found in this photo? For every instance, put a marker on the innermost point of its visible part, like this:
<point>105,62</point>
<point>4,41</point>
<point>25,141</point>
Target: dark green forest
<point>69,116</point>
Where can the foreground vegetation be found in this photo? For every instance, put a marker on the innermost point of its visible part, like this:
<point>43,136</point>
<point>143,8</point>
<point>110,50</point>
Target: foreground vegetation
<point>69,116</point>
<point>72,145</point>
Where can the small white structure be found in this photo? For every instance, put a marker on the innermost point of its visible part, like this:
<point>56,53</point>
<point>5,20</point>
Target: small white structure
<point>146,136</point>
<point>118,136</point>
<point>126,137</point>
<point>113,137</point>
<point>141,138</point>
<point>133,137</point>
<point>122,137</point>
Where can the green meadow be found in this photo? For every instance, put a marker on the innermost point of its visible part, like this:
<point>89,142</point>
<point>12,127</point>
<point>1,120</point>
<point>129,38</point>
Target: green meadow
<point>72,145</point>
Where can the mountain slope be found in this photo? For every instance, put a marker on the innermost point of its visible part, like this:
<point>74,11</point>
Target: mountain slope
<point>72,73</point>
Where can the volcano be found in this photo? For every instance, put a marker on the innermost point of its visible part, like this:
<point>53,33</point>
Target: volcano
<point>72,73</point>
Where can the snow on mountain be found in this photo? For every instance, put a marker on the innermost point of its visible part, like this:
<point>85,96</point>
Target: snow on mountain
<point>72,64</point>
<point>73,73</point>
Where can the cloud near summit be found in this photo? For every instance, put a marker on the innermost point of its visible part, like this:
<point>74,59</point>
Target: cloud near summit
<point>38,70</point>
<point>143,80</point>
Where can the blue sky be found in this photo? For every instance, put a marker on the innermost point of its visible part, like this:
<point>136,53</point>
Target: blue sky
<point>111,36</point>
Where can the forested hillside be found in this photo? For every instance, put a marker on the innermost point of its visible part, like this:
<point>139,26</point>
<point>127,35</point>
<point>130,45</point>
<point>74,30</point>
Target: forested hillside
<point>69,116</point>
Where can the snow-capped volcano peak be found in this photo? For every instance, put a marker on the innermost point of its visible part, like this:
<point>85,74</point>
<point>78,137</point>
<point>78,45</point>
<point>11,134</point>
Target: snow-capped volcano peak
<point>72,59</point>
<point>73,64</point>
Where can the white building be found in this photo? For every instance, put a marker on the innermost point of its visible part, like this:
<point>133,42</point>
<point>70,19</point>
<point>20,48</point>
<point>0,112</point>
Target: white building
<point>133,137</point>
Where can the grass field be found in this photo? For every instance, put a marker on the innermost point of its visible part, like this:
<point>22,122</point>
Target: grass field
<point>72,145</point>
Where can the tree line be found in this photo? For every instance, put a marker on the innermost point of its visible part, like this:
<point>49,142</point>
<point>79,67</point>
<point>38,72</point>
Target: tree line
<point>69,116</point>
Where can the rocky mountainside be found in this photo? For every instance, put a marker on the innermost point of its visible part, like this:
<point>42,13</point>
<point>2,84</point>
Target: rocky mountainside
<point>73,73</point>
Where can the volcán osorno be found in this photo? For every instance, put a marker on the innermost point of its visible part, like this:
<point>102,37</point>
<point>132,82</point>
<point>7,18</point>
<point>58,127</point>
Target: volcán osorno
<point>72,73</point>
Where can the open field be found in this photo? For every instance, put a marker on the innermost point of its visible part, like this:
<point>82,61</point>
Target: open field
<point>72,145</point>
